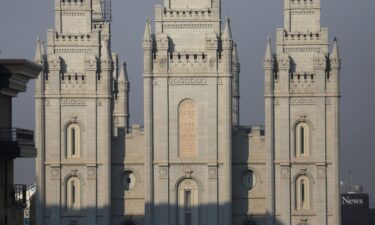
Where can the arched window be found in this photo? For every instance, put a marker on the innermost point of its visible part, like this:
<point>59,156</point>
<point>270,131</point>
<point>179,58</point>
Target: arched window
<point>73,193</point>
<point>188,202</point>
<point>187,115</point>
<point>302,139</point>
<point>73,140</point>
<point>302,194</point>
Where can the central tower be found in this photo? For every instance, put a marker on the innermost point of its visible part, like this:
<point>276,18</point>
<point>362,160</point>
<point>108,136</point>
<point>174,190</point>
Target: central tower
<point>189,66</point>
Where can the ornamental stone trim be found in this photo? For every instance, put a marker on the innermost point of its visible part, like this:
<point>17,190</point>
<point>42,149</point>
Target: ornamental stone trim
<point>302,101</point>
<point>187,81</point>
<point>188,26</point>
<point>302,12</point>
<point>73,102</point>
<point>314,50</point>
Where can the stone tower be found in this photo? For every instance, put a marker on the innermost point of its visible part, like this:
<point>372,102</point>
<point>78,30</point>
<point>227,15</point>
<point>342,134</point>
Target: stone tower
<point>76,111</point>
<point>302,94</point>
<point>189,65</point>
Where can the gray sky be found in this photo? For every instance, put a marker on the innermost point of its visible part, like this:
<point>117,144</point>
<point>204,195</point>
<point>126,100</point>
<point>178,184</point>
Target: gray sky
<point>21,21</point>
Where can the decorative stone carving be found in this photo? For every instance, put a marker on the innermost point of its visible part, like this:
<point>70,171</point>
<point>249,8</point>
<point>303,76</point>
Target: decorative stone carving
<point>302,101</point>
<point>163,172</point>
<point>73,102</point>
<point>55,173</point>
<point>91,172</point>
<point>187,81</point>
<point>188,172</point>
<point>187,129</point>
<point>212,172</point>
<point>285,171</point>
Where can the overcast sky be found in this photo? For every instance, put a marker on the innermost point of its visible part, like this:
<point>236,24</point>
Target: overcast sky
<point>21,21</point>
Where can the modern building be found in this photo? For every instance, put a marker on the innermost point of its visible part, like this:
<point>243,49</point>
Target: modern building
<point>192,163</point>
<point>355,209</point>
<point>14,142</point>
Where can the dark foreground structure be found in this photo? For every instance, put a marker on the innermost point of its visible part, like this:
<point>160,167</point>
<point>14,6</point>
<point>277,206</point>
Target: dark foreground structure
<point>14,142</point>
<point>355,209</point>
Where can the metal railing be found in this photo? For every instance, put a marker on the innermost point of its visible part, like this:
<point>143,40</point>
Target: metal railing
<point>17,196</point>
<point>16,135</point>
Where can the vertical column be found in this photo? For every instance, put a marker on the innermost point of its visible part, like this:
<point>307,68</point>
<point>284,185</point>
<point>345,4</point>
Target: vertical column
<point>268,65</point>
<point>148,114</point>
<point>335,62</point>
<point>39,136</point>
<point>227,122</point>
<point>282,142</point>
<point>148,120</point>
<point>227,82</point>
<point>104,115</point>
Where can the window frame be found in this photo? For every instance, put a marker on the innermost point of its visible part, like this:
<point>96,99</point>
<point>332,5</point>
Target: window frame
<point>302,195</point>
<point>305,150</point>
<point>191,186</point>
<point>70,205</point>
<point>73,152</point>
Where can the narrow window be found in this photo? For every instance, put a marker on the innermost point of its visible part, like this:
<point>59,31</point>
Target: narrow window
<point>302,140</point>
<point>73,141</point>
<point>303,199</point>
<point>188,211</point>
<point>302,193</point>
<point>73,193</point>
<point>73,197</point>
<point>302,137</point>
<point>188,202</point>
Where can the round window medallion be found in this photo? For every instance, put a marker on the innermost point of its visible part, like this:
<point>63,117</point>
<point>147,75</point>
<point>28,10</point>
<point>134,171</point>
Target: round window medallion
<point>128,180</point>
<point>249,180</point>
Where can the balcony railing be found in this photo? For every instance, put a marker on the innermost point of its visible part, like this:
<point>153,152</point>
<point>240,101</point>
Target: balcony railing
<point>17,196</point>
<point>16,135</point>
<point>16,142</point>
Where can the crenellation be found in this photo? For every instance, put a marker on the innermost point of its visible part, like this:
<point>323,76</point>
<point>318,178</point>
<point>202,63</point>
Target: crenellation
<point>186,13</point>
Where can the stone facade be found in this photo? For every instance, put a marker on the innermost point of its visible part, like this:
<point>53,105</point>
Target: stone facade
<point>192,163</point>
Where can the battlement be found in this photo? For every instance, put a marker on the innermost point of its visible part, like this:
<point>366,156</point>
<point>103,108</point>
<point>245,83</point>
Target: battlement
<point>187,13</point>
<point>303,4</point>
<point>73,40</point>
<point>285,37</point>
<point>73,4</point>
<point>187,62</point>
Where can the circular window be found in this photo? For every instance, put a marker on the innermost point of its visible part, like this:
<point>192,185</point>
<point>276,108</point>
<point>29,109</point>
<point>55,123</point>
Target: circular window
<point>128,180</point>
<point>249,180</point>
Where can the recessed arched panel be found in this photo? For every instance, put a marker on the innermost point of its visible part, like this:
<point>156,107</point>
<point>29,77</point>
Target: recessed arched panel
<point>73,193</point>
<point>188,202</point>
<point>187,114</point>
<point>73,141</point>
<point>302,139</point>
<point>302,193</point>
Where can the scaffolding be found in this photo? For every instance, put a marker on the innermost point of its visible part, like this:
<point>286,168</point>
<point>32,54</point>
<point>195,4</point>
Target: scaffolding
<point>106,7</point>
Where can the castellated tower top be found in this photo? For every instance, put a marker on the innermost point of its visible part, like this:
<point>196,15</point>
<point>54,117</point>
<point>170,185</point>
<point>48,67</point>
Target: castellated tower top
<point>302,15</point>
<point>302,38</point>
<point>188,23</point>
<point>78,16</point>
<point>191,4</point>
